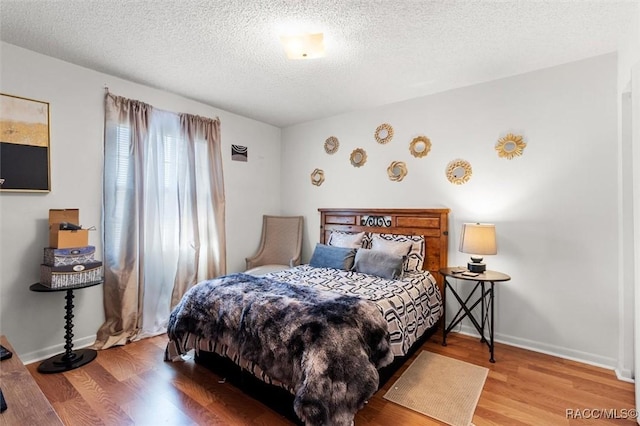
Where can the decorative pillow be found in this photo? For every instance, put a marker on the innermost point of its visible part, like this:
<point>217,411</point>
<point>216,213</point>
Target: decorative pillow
<point>379,263</point>
<point>415,257</point>
<point>332,257</point>
<point>345,239</point>
<point>399,248</point>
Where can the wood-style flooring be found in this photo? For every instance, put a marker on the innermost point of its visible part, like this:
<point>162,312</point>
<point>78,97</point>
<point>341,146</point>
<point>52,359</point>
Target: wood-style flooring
<point>131,385</point>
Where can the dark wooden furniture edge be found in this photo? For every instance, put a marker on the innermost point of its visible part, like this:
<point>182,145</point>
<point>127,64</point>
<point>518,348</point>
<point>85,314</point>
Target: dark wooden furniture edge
<point>26,403</point>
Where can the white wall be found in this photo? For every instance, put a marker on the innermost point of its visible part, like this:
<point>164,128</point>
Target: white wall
<point>34,322</point>
<point>629,265</point>
<point>555,208</point>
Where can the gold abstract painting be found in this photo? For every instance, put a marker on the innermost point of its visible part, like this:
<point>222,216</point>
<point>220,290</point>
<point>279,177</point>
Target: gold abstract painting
<point>24,144</point>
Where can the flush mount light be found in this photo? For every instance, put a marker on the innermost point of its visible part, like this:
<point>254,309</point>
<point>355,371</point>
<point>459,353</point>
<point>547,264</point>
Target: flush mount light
<point>303,46</point>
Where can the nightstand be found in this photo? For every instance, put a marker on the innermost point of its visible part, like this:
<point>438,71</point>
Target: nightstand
<point>70,359</point>
<point>484,282</point>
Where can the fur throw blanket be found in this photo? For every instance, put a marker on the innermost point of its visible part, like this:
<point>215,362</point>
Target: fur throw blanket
<point>325,346</point>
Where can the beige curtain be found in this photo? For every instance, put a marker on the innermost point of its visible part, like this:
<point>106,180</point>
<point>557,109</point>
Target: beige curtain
<point>163,215</point>
<point>203,134</point>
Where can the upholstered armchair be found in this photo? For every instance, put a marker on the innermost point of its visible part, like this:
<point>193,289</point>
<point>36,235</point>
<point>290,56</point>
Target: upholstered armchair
<point>280,245</point>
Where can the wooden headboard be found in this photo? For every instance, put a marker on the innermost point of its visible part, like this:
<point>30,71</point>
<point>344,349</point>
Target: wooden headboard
<point>433,224</point>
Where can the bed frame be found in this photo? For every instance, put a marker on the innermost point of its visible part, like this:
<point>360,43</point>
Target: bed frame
<point>432,224</point>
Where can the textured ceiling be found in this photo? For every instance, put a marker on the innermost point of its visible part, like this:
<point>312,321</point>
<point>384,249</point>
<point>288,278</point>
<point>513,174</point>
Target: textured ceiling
<point>227,53</point>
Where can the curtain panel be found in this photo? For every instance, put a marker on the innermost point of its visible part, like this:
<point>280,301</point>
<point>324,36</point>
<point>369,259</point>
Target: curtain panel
<point>163,213</point>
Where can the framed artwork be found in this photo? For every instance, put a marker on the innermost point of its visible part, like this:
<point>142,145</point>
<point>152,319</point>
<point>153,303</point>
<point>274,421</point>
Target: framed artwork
<point>239,153</point>
<point>24,145</point>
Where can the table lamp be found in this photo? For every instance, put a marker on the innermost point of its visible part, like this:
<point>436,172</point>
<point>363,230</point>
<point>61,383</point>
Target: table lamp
<point>478,239</point>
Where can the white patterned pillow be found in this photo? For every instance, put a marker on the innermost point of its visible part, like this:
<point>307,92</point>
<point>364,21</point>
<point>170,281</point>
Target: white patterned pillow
<point>346,239</point>
<point>415,257</point>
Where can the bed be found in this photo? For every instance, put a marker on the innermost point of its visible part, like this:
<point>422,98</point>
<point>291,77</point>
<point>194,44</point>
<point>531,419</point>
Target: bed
<point>325,331</point>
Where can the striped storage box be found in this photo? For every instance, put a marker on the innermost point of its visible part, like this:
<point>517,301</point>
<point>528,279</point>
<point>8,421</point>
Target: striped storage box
<point>69,256</point>
<point>70,275</point>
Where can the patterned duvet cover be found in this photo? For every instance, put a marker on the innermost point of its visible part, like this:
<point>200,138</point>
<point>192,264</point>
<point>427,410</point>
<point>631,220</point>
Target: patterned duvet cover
<point>410,306</point>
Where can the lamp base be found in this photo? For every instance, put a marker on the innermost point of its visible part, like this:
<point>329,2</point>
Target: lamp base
<point>478,267</point>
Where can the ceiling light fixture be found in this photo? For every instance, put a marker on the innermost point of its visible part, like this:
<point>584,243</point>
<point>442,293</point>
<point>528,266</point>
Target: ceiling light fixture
<point>303,46</point>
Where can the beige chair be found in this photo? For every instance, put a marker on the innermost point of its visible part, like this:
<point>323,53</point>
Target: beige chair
<point>280,245</point>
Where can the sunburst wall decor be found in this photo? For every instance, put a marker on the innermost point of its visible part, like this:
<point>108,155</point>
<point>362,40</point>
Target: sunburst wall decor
<point>510,146</point>
<point>420,146</point>
<point>358,157</point>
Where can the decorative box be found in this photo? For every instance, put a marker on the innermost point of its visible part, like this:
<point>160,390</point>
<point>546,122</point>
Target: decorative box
<point>70,275</point>
<point>69,256</point>
<point>66,238</point>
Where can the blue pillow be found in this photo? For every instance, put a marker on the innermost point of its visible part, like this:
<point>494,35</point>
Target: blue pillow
<point>332,257</point>
<point>379,263</point>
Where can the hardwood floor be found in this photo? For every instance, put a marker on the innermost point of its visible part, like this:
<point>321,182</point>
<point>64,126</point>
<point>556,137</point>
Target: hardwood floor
<point>131,385</point>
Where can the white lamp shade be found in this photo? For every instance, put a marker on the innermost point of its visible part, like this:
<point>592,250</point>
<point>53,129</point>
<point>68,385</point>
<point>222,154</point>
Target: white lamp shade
<point>478,238</point>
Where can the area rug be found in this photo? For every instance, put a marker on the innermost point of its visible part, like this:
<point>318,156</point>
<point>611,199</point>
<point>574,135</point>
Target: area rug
<point>440,387</point>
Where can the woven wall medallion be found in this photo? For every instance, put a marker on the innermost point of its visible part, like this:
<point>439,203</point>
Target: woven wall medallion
<point>384,133</point>
<point>420,146</point>
<point>331,145</point>
<point>397,170</point>
<point>459,171</point>
<point>317,177</point>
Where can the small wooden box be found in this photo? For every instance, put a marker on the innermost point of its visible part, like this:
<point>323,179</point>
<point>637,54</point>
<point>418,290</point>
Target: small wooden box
<point>62,238</point>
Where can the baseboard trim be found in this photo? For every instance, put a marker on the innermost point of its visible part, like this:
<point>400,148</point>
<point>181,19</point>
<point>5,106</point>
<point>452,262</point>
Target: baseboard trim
<point>561,352</point>
<point>558,351</point>
<point>46,353</point>
<point>624,375</point>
